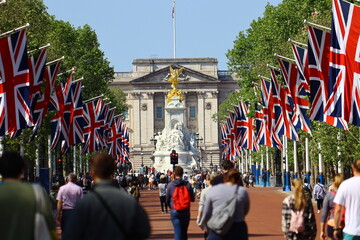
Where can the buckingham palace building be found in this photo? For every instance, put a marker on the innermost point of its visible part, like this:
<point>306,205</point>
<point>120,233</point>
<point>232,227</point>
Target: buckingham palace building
<point>204,87</point>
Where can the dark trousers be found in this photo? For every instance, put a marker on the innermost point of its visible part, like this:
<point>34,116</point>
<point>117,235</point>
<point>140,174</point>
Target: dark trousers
<point>163,202</point>
<point>319,203</point>
<point>180,221</point>
<point>66,215</point>
<point>238,231</point>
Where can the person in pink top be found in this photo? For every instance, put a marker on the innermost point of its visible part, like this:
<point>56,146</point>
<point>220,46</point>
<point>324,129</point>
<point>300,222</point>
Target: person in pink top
<point>67,197</point>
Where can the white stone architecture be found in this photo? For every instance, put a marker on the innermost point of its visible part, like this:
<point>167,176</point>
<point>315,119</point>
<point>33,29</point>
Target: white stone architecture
<point>204,87</point>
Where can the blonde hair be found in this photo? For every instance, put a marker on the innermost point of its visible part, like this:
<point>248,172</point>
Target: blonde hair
<point>337,180</point>
<point>299,195</point>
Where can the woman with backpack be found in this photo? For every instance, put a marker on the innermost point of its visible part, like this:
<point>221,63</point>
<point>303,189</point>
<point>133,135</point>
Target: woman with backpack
<point>327,215</point>
<point>162,193</point>
<point>221,199</point>
<point>298,219</point>
<point>319,194</point>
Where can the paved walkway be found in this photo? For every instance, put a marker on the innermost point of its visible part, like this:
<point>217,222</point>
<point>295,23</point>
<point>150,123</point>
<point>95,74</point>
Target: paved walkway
<point>264,218</point>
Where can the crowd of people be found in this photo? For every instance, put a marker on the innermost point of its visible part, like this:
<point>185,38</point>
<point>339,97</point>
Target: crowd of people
<point>104,204</point>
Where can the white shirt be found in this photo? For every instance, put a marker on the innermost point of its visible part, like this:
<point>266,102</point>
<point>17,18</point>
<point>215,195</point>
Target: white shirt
<point>348,195</point>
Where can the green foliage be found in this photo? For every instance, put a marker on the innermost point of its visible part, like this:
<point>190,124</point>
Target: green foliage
<point>80,47</point>
<point>254,48</point>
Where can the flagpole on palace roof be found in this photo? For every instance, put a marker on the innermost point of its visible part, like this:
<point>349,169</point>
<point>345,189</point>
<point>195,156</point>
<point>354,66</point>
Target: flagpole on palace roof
<point>174,27</point>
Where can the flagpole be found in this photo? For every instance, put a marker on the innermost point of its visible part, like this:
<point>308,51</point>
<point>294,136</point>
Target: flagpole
<point>174,26</point>
<point>40,48</point>
<point>317,25</point>
<point>89,100</point>
<point>296,42</point>
<point>285,58</point>
<point>14,30</point>
<point>56,60</point>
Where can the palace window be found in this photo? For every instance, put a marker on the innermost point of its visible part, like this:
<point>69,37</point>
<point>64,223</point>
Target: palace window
<point>192,112</point>
<point>159,113</point>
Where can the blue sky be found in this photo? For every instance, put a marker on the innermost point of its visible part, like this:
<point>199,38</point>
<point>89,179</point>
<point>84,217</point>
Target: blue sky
<point>129,29</point>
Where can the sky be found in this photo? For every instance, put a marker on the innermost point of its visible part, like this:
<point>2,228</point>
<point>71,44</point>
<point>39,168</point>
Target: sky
<point>132,29</point>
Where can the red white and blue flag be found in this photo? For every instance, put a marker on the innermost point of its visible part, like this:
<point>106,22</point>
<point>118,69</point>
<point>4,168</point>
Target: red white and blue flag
<point>318,65</point>
<point>344,83</point>
<point>296,91</point>
<point>42,104</point>
<point>61,102</point>
<point>247,125</point>
<point>15,113</point>
<point>94,126</point>
<point>36,70</point>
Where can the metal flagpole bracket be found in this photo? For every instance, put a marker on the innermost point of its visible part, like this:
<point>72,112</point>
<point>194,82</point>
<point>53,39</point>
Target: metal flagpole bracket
<point>285,58</point>
<point>265,78</point>
<point>298,43</point>
<point>91,99</point>
<point>317,25</point>
<point>56,60</point>
<point>15,30</point>
<point>78,80</point>
<point>270,66</point>
<point>40,48</point>
<point>71,70</point>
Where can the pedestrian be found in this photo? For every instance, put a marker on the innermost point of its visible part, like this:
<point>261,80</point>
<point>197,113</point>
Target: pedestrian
<point>203,194</point>
<point>327,214</point>
<point>135,191</point>
<point>151,181</point>
<point>348,198</point>
<point>67,197</point>
<point>319,193</point>
<point>298,202</point>
<point>178,196</point>
<point>263,177</point>
<point>162,194</point>
<point>307,187</point>
<point>226,165</point>
<point>221,193</point>
<point>107,212</point>
<point>18,204</point>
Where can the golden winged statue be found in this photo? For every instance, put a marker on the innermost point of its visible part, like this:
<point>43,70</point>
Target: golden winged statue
<point>174,75</point>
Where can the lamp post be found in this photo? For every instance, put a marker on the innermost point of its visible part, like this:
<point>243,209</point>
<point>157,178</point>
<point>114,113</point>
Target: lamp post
<point>211,163</point>
<point>154,140</point>
<point>199,139</point>
<point>142,159</point>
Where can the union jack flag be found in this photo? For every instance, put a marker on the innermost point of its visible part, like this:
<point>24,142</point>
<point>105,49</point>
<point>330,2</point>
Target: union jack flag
<point>36,70</point>
<point>42,105</point>
<point>108,122</point>
<point>248,134</point>
<point>115,139</point>
<point>295,87</point>
<point>61,101</point>
<point>344,91</point>
<point>94,126</point>
<point>283,108</point>
<point>15,111</point>
<point>301,59</point>
<point>125,150</point>
<point>76,117</point>
<point>318,60</point>
<point>266,131</point>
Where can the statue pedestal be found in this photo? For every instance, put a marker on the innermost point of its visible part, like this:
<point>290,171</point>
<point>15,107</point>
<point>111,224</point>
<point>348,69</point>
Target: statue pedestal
<point>176,136</point>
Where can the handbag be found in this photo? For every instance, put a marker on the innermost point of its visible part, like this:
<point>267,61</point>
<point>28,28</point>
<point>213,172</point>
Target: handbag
<point>222,217</point>
<point>41,230</point>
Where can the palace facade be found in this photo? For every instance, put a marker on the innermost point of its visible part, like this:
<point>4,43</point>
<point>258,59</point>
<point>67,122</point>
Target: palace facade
<point>204,87</point>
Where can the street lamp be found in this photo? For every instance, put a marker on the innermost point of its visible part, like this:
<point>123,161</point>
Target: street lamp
<point>211,163</point>
<point>142,159</point>
<point>154,140</point>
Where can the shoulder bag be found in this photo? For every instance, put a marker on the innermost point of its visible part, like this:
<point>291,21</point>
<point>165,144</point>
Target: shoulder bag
<point>114,218</point>
<point>222,217</point>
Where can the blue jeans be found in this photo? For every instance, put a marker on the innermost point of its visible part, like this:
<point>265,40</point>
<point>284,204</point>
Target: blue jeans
<point>180,221</point>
